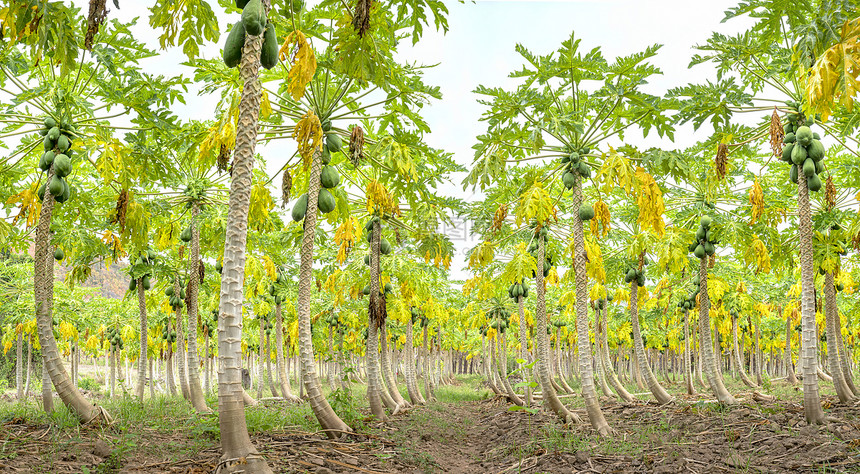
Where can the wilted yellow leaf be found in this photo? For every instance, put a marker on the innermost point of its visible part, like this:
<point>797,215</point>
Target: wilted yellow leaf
<point>303,64</point>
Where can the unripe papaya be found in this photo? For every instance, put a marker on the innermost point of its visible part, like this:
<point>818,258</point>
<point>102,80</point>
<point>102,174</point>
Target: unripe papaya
<point>300,208</point>
<point>808,167</point>
<point>55,187</point>
<point>699,252</point>
<point>798,154</point>
<point>586,212</point>
<point>333,142</point>
<point>254,17</point>
<point>59,255</point>
<point>185,236</point>
<point>329,177</point>
<point>269,53</point>
<point>234,44</point>
<point>814,183</point>
<point>705,222</point>
<point>62,165</point>
<point>786,152</point>
<point>326,202</point>
<point>815,150</point>
<point>384,247</point>
<point>792,174</point>
<point>569,179</point>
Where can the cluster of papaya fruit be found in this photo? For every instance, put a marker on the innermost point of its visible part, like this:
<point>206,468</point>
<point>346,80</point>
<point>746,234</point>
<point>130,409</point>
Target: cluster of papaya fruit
<point>704,245</point>
<point>574,163</point>
<point>543,233</point>
<point>114,337</point>
<point>518,289</point>
<point>175,300</point>
<point>632,274</point>
<point>266,324</point>
<point>146,257</point>
<point>500,317</point>
<point>329,177</point>
<point>166,333</point>
<point>417,317</point>
<point>211,324</point>
<point>803,148</point>
<point>253,23</point>
<point>273,290</point>
<point>689,302</point>
<point>57,154</point>
<point>600,303</point>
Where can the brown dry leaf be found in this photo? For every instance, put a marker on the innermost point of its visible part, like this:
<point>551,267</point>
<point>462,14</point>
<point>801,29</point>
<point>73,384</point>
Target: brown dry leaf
<point>356,145</point>
<point>499,218</point>
<point>830,193</point>
<point>721,162</point>
<point>97,16</point>
<point>776,133</point>
<point>286,187</point>
<point>361,18</point>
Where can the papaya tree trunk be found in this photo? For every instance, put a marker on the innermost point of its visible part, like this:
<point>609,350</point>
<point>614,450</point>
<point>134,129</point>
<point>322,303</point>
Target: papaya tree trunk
<point>688,372</point>
<point>43,286</point>
<point>141,360</point>
<point>525,372</point>
<point>409,372</point>
<point>830,315</point>
<point>168,368</point>
<point>639,349</point>
<point>180,346</point>
<point>387,373</point>
<point>809,335</point>
<point>788,359</point>
<point>239,454</point>
<point>550,398</point>
<point>195,391</point>
<point>608,368</point>
<point>843,357</point>
<point>715,378</point>
<point>283,378</point>
<point>603,373</point>
<point>739,363</point>
<point>376,315</point>
<point>268,356</point>
<point>501,369</point>
<point>19,363</point>
<point>331,423</point>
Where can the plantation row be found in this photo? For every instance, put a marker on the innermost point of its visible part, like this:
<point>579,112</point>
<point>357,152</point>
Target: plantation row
<point>600,260</point>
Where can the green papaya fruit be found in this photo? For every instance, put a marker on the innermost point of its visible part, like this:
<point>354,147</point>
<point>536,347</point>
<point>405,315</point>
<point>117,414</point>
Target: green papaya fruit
<point>699,252</point>
<point>631,275</point>
<point>640,280</point>
<point>146,283</point>
<point>819,166</point>
<point>67,193</point>
<point>185,236</point>
<point>701,233</point>
<point>814,183</point>
<point>584,170</point>
<point>132,285</point>
<point>325,157</point>
<point>815,150</point>
<point>62,165</point>
<point>816,136</point>
<point>706,222</point>
<point>384,247</point>
<point>709,248</point>
<point>50,123</point>
<point>798,154</point>
<point>55,187</point>
<point>388,288</point>
<point>48,144</point>
<point>804,135</point>
<point>586,212</point>
<point>47,160</point>
<point>367,259</point>
<point>63,143</point>
<point>254,17</point>
<point>333,142</point>
<point>329,177</point>
<point>786,152</point>
<point>326,201</point>
<point>59,254</point>
<point>41,192</point>
<point>569,179</point>
<point>808,167</point>
<point>792,174</point>
<point>326,125</point>
<point>269,53</point>
<point>54,133</point>
<point>218,267</point>
<point>366,290</point>
<point>181,294</point>
<point>789,138</point>
<point>168,291</point>
<point>300,208</point>
<point>234,44</point>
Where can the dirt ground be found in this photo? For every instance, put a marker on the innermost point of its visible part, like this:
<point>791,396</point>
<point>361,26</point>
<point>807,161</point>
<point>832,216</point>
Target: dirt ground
<point>478,436</point>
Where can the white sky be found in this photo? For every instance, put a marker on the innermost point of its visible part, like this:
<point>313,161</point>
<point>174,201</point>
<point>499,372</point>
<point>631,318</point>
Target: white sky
<point>479,49</point>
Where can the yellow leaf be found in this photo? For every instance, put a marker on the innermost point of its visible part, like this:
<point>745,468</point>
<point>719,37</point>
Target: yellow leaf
<point>380,201</point>
<point>30,205</point>
<point>756,199</point>
<point>600,224</point>
<point>303,63</point>
<point>344,237</point>
<point>616,171</point>
<point>483,255</point>
<point>650,202</point>
<point>308,133</point>
<point>535,204</point>
<point>833,76</point>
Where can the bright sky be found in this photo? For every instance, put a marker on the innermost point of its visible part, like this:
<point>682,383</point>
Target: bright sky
<point>479,49</point>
